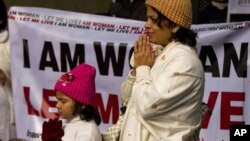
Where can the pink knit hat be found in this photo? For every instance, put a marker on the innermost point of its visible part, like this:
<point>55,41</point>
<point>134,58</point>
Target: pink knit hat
<point>78,84</point>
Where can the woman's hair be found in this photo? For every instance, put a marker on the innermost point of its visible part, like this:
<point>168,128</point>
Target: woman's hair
<point>3,15</point>
<point>183,35</point>
<point>87,113</point>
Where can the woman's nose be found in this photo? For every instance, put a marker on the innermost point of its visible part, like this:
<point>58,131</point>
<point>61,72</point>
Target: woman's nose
<point>148,24</point>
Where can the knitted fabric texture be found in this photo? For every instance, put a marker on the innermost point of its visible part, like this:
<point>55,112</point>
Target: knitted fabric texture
<point>78,84</point>
<point>178,11</point>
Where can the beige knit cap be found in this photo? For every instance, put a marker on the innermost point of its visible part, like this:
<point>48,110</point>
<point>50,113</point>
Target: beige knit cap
<point>178,11</point>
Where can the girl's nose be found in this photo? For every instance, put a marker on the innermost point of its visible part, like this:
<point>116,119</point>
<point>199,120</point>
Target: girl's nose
<point>58,105</point>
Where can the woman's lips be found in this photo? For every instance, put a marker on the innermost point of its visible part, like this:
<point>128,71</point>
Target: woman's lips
<point>149,33</point>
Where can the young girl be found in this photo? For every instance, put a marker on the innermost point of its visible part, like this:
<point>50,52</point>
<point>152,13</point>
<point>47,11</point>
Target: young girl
<point>75,93</point>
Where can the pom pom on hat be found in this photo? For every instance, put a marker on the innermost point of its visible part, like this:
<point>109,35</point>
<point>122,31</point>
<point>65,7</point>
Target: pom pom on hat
<point>178,11</point>
<point>78,84</point>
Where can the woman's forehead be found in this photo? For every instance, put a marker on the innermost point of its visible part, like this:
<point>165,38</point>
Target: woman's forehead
<point>151,11</point>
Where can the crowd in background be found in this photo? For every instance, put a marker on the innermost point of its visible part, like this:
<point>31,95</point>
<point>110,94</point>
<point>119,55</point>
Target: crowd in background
<point>204,11</point>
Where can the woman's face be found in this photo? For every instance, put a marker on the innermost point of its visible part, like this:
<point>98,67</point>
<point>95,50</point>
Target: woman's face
<point>65,106</point>
<point>156,34</point>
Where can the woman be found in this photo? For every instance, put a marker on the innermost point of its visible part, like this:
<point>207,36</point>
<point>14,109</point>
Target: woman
<point>166,84</point>
<point>7,121</point>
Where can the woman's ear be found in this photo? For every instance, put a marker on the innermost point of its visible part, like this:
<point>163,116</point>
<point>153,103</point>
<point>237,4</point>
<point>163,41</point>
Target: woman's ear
<point>175,28</point>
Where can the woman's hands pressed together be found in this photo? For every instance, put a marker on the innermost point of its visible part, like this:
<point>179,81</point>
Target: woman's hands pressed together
<point>143,54</point>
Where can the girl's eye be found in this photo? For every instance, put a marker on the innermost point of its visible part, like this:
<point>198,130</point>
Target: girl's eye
<point>63,101</point>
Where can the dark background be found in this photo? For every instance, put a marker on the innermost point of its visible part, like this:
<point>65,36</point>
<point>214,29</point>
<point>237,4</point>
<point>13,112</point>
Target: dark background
<point>130,9</point>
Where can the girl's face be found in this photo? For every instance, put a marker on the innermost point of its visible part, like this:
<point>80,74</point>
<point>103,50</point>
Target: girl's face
<point>65,106</point>
<point>156,34</point>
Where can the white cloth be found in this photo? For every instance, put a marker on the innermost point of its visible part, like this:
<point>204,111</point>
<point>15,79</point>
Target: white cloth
<point>4,113</point>
<point>80,130</point>
<point>5,53</point>
<point>7,124</point>
<point>166,99</point>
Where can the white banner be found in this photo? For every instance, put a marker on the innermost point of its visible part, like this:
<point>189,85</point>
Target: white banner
<point>45,43</point>
<point>239,6</point>
<point>224,49</point>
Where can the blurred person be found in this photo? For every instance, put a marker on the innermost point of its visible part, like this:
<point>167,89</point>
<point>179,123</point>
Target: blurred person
<point>129,10</point>
<point>75,93</point>
<point>7,124</point>
<point>215,12</point>
<point>165,87</point>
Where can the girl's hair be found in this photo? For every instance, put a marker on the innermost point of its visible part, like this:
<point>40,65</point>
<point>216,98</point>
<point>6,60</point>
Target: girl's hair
<point>3,15</point>
<point>183,35</point>
<point>87,113</point>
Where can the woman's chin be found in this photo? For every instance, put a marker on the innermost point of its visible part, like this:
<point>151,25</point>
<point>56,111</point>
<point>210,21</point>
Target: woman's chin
<point>153,42</point>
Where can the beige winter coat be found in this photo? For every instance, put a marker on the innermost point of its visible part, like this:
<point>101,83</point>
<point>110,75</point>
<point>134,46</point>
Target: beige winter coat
<point>165,100</point>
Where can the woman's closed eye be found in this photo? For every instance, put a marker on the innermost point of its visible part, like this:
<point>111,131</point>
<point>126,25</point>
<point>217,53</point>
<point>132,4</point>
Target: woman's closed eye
<point>154,19</point>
